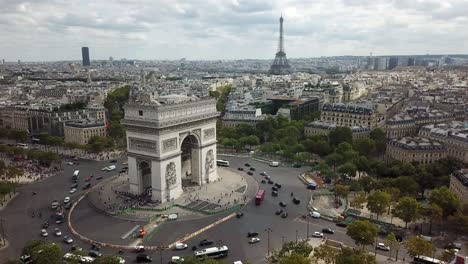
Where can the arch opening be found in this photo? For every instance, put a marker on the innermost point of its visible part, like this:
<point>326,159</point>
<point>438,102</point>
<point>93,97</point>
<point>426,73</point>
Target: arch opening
<point>189,161</point>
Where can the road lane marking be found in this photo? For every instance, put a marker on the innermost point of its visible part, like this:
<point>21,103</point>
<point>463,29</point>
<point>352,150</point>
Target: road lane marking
<point>130,232</point>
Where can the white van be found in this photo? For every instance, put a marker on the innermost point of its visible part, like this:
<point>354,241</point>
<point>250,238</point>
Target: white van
<point>274,164</point>
<point>314,214</point>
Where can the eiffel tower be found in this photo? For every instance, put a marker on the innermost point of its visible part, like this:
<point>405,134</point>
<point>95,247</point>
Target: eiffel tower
<point>280,64</point>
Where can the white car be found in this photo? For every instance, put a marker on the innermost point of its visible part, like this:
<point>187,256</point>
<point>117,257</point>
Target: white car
<point>57,232</point>
<point>121,260</point>
<point>315,214</point>
<point>177,259</point>
<point>70,163</point>
<point>67,240</point>
<point>66,200</point>
<point>72,190</point>
<point>44,233</point>
<point>254,240</point>
<point>317,234</point>
<point>180,246</point>
<point>383,247</point>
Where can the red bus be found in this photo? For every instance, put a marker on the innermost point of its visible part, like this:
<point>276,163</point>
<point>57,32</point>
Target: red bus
<point>259,197</point>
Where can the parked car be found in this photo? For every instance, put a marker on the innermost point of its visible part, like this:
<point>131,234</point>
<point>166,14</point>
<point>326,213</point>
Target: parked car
<point>314,214</point>
<point>45,225</point>
<point>113,161</point>
<point>240,168</point>
<point>139,248</point>
<point>382,246</point>
<point>263,173</point>
<point>282,204</point>
<point>284,215</point>
<point>270,182</point>
<point>317,234</point>
<point>66,200</point>
<point>94,254</point>
<point>205,242</point>
<point>277,185</point>
<point>279,211</point>
<point>254,240</point>
<point>176,260</point>
<point>274,188</point>
<point>341,224</point>
<point>267,178</point>
<point>297,165</point>
<point>250,173</point>
<point>143,258</point>
<point>57,232</point>
<point>252,234</point>
<point>263,181</point>
<point>72,190</point>
<point>67,206</point>
<point>69,163</point>
<point>74,186</point>
<point>247,165</point>
<point>328,231</point>
<point>274,193</point>
<point>68,240</point>
<point>252,169</point>
<point>180,246</point>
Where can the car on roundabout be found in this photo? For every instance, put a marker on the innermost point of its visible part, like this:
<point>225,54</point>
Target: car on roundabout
<point>139,248</point>
<point>284,215</point>
<point>57,232</point>
<point>254,240</point>
<point>279,211</point>
<point>317,234</point>
<point>252,234</point>
<point>263,173</point>
<point>250,173</point>
<point>240,168</point>
<point>270,182</point>
<point>206,242</point>
<point>72,190</point>
<point>143,258</point>
<point>68,240</point>
<point>282,204</point>
<point>247,165</point>
<point>180,246</point>
<point>328,231</point>
<point>44,233</point>
<point>263,181</point>
<point>274,193</point>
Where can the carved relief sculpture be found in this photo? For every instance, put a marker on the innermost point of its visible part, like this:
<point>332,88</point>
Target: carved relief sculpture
<point>171,174</point>
<point>142,145</point>
<point>208,133</point>
<point>169,144</point>
<point>209,162</point>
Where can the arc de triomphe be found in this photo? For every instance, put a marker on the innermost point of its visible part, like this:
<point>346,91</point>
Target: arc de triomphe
<point>170,145</point>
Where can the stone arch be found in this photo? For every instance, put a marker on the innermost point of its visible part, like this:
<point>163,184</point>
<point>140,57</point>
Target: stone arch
<point>190,159</point>
<point>144,171</point>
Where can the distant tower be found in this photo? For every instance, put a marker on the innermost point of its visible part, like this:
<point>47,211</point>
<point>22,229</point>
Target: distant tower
<point>111,61</point>
<point>280,64</point>
<point>85,56</point>
<point>88,80</point>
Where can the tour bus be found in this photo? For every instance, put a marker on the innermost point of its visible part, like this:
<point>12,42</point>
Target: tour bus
<point>72,258</point>
<point>213,252</point>
<point>22,145</point>
<point>223,163</point>
<point>75,175</point>
<point>426,260</point>
<point>259,197</point>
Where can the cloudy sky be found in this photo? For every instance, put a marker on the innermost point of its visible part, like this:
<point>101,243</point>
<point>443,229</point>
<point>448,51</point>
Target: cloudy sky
<point>229,29</point>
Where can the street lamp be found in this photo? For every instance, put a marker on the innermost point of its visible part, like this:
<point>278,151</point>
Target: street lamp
<point>268,230</point>
<point>296,236</point>
<point>308,220</point>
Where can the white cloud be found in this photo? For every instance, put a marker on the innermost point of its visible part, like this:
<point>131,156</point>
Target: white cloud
<point>217,29</point>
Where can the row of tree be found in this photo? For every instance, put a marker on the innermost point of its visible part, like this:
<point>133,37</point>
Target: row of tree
<point>44,158</point>
<point>114,104</point>
<point>14,134</point>
<point>222,95</point>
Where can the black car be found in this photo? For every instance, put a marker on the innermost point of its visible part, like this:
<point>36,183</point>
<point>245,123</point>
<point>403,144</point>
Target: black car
<point>274,188</point>
<point>143,258</point>
<point>297,165</point>
<point>67,205</point>
<point>205,242</point>
<point>75,185</point>
<point>45,225</point>
<point>240,168</point>
<point>87,186</point>
<point>267,178</point>
<point>284,215</point>
<point>274,193</point>
<point>94,254</point>
<point>99,178</point>
<point>122,171</point>
<point>278,185</point>
<point>279,211</point>
<point>252,168</point>
<point>282,204</point>
<point>239,214</point>
<point>399,237</point>
<point>341,224</point>
<point>252,234</point>
<point>95,247</point>
<point>454,245</point>
<point>113,161</point>
<point>270,182</point>
<point>328,231</point>
<point>250,173</point>
<point>296,201</point>
<point>194,248</point>
<point>263,181</point>
<point>247,165</point>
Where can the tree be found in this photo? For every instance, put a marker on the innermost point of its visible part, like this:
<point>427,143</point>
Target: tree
<point>107,260</point>
<point>362,232</point>
<point>433,213</point>
<point>342,191</point>
<point>446,199</point>
<point>392,243</point>
<point>407,209</point>
<point>339,135</point>
<point>31,246</point>
<point>417,246</point>
<point>447,255</point>
<point>367,183</point>
<point>294,258</point>
<point>48,253</point>
<point>380,139</point>
<point>348,168</point>
<point>365,146</point>
<point>325,253</point>
<point>353,256</point>
<point>378,202</point>
<point>407,186</point>
<point>12,261</point>
<point>358,201</point>
<point>301,248</point>
<point>196,260</point>
<point>458,223</point>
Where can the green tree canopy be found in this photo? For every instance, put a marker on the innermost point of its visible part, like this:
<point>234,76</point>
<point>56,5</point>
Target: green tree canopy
<point>407,209</point>
<point>365,147</point>
<point>107,260</point>
<point>48,253</point>
<point>352,256</point>
<point>446,199</point>
<point>362,232</point>
<point>339,135</point>
<point>378,202</point>
<point>417,246</point>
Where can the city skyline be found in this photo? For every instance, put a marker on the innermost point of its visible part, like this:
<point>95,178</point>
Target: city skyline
<point>50,30</point>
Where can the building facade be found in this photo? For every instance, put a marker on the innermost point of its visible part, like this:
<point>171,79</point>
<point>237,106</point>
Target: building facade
<point>459,184</point>
<point>81,131</point>
<point>249,116</point>
<point>351,115</point>
<point>408,125</point>
<point>415,149</point>
<point>322,128</point>
<point>85,56</point>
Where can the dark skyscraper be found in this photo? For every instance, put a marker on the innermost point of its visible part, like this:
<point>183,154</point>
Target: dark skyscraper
<point>280,64</point>
<point>411,62</point>
<point>85,55</point>
<point>392,63</point>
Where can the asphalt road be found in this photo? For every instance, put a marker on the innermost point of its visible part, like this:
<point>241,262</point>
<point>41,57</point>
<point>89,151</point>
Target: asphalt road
<point>21,227</point>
